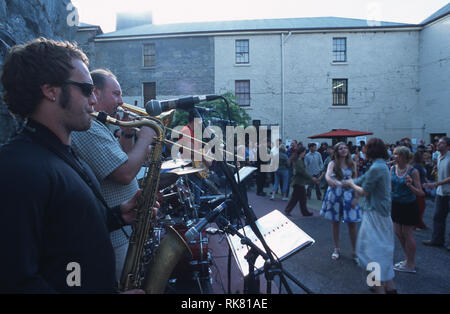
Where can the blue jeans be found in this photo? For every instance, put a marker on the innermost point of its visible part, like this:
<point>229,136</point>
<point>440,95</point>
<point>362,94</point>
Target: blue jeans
<point>441,209</point>
<point>282,175</point>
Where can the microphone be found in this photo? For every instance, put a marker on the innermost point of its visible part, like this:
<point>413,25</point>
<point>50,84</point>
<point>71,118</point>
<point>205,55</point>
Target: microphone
<point>194,231</point>
<point>219,120</point>
<point>156,107</point>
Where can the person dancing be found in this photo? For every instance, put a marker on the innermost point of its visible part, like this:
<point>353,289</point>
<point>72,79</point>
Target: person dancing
<point>376,235</point>
<point>341,204</point>
<point>405,214</point>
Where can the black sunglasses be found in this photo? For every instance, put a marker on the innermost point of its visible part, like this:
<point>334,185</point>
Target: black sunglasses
<point>86,88</point>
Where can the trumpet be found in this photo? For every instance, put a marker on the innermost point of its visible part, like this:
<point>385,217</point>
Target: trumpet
<point>137,112</point>
<point>132,110</point>
<point>162,119</point>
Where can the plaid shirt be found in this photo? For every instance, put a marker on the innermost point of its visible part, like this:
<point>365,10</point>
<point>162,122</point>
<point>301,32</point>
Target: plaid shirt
<point>102,152</point>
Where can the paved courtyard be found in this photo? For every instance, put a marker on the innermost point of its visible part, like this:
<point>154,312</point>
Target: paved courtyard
<point>314,268</point>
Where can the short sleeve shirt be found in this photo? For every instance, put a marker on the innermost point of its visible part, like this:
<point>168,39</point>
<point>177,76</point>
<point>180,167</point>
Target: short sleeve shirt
<point>443,166</point>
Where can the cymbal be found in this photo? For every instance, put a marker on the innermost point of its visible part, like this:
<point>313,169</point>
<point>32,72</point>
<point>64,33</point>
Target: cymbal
<point>174,163</point>
<point>166,179</point>
<point>186,170</point>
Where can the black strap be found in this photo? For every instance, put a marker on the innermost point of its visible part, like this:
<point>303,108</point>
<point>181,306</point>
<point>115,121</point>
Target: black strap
<point>72,160</point>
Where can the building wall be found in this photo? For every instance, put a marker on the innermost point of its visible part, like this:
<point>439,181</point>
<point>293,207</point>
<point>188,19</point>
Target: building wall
<point>85,40</point>
<point>382,73</point>
<point>434,77</point>
<point>263,71</point>
<point>183,66</point>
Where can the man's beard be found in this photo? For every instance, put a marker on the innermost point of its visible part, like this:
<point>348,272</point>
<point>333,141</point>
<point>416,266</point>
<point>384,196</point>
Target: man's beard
<point>65,97</point>
<point>65,100</point>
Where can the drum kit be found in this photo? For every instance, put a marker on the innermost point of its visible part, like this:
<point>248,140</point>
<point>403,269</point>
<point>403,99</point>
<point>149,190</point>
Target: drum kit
<point>178,210</point>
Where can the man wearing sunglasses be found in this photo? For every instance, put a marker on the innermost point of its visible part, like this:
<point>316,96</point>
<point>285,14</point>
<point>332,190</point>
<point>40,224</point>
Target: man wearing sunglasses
<point>115,162</point>
<point>54,224</point>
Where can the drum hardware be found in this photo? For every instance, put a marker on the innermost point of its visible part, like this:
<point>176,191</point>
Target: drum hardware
<point>169,195</point>
<point>174,163</point>
<point>186,170</point>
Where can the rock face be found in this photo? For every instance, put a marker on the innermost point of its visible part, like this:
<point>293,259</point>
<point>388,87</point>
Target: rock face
<point>21,21</point>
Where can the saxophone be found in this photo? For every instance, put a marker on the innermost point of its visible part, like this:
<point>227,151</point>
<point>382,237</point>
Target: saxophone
<point>139,273</point>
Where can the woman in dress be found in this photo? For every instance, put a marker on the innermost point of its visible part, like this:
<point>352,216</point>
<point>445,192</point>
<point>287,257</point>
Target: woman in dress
<point>405,213</point>
<point>341,204</point>
<point>375,242</point>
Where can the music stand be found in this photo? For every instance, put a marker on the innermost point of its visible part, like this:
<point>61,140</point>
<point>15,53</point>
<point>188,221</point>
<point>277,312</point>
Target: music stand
<point>283,237</point>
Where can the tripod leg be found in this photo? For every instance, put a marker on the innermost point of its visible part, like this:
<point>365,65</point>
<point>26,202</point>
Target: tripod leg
<point>298,283</point>
<point>269,286</point>
<point>284,283</point>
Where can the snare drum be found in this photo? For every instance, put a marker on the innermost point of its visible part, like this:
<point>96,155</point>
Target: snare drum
<point>199,265</point>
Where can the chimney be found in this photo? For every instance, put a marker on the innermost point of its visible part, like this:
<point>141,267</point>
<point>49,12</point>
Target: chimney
<point>127,19</point>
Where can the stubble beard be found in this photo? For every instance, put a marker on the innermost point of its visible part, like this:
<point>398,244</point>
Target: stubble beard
<point>78,123</point>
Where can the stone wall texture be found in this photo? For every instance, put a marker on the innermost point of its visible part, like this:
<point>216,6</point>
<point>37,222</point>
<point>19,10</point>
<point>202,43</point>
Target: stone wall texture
<point>21,21</point>
<point>183,66</point>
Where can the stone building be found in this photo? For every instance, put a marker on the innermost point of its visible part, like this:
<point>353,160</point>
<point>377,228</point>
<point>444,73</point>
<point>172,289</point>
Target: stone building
<point>307,75</point>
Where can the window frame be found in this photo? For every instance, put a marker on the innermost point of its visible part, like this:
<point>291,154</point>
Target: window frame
<point>335,95</point>
<point>245,55</point>
<point>152,94</point>
<point>336,50</point>
<point>152,56</point>
<point>239,94</point>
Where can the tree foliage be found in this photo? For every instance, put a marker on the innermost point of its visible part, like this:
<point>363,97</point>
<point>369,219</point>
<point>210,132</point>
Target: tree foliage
<point>238,114</point>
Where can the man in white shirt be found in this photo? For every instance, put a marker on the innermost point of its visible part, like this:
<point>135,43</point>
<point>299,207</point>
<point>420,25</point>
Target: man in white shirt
<point>442,199</point>
<point>314,166</point>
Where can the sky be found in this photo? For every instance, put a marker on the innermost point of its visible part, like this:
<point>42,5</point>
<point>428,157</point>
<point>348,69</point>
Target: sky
<point>103,12</point>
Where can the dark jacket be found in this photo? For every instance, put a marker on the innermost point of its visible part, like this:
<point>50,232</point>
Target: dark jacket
<point>301,176</point>
<point>49,220</point>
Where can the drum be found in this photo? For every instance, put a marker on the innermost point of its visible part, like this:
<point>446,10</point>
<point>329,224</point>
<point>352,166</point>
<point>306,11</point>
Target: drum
<point>176,200</point>
<point>198,267</point>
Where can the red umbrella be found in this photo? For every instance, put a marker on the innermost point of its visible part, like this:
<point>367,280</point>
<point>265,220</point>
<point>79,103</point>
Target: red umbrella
<point>340,133</point>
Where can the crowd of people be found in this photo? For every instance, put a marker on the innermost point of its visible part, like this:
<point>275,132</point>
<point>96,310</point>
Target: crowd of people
<point>391,181</point>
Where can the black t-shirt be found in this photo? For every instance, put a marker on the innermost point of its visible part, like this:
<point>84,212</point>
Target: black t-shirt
<point>50,218</point>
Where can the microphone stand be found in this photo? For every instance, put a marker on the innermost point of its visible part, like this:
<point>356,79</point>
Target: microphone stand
<point>272,267</point>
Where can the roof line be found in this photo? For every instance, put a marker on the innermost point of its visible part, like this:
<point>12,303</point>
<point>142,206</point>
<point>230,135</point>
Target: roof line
<point>405,27</point>
<point>435,19</point>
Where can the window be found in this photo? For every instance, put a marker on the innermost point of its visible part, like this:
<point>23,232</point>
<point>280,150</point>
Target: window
<point>340,88</point>
<point>149,91</point>
<point>242,90</point>
<point>339,49</point>
<point>242,52</point>
<point>149,55</point>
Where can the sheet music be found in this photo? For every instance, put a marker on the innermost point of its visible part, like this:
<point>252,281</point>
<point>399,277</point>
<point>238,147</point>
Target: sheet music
<point>244,173</point>
<point>282,236</point>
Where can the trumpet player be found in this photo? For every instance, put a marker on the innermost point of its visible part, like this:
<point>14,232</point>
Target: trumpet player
<point>115,163</point>
<point>54,225</point>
